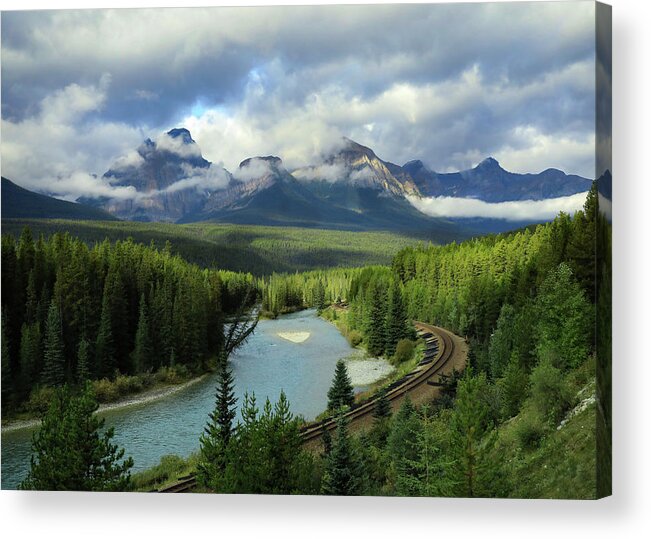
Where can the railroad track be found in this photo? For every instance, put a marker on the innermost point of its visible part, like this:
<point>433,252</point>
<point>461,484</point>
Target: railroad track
<point>439,349</point>
<point>184,484</point>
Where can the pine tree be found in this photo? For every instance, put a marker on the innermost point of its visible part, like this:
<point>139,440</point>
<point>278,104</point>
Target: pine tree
<point>6,375</point>
<point>54,373</point>
<point>381,417</point>
<point>376,320</point>
<point>30,358</point>
<point>104,349</point>
<point>73,451</point>
<point>402,441</point>
<point>341,391</point>
<point>512,387</point>
<point>430,469</point>
<point>396,324</point>
<point>83,361</point>
<point>319,297</point>
<point>471,420</point>
<point>382,408</point>
<point>343,470</point>
<point>142,353</point>
<point>218,432</point>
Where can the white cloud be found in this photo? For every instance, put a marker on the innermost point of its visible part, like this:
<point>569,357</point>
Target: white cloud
<point>254,169</point>
<point>521,210</point>
<point>328,172</point>
<point>130,159</point>
<point>362,174</point>
<point>59,148</point>
<point>176,145</point>
<point>202,179</point>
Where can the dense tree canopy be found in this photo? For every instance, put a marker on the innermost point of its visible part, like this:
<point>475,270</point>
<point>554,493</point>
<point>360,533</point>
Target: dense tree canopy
<point>73,312</point>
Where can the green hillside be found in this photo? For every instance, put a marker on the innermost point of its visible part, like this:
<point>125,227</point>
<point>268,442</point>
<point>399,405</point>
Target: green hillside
<point>18,202</point>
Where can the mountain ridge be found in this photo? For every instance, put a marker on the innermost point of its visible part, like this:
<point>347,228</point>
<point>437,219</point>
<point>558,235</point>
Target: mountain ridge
<point>348,188</point>
<point>21,203</point>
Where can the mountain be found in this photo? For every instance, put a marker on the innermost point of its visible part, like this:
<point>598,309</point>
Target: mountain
<point>18,202</point>
<point>263,192</point>
<point>489,182</point>
<point>349,187</point>
<point>354,165</point>
<point>164,173</point>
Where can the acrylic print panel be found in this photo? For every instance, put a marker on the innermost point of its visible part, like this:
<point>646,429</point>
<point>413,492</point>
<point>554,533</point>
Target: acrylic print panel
<point>338,250</point>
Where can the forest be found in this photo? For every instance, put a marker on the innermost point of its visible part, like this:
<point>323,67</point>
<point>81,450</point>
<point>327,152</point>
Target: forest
<point>259,250</point>
<point>117,311</point>
<point>520,421</point>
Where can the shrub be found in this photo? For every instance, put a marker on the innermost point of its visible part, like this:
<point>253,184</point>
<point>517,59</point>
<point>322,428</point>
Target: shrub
<point>404,351</point>
<point>550,393</point>
<point>125,385</point>
<point>105,390</point>
<point>530,432</point>
<point>39,400</point>
<point>354,337</point>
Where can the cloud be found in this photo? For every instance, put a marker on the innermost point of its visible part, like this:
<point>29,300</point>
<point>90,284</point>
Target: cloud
<point>202,179</point>
<point>177,146</point>
<point>328,172</point>
<point>449,84</point>
<point>255,168</point>
<point>131,159</point>
<point>60,149</point>
<point>521,210</point>
<point>362,174</point>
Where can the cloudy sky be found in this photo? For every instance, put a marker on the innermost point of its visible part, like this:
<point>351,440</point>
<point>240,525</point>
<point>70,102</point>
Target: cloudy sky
<point>448,84</point>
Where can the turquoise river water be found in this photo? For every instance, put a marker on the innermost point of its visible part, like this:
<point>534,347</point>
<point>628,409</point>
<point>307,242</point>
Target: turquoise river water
<point>266,364</point>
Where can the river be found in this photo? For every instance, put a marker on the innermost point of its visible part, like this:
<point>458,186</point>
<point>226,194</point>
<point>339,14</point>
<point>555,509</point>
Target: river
<point>265,364</point>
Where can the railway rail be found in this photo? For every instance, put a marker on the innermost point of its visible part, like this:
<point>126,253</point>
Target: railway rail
<point>437,357</point>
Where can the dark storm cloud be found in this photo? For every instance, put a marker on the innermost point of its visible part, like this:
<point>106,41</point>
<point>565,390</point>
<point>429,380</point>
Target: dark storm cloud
<point>446,83</point>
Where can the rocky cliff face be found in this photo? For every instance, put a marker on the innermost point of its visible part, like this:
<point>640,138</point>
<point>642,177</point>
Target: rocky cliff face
<point>166,175</point>
<point>357,166</point>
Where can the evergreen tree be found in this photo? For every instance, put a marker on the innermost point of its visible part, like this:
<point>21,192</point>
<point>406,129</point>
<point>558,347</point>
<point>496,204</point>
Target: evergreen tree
<point>319,297</point>
<point>83,361</point>
<point>427,474</point>
<point>402,442</point>
<point>381,418</point>
<point>341,391</point>
<point>376,320</point>
<point>396,323</point>
<point>30,358</point>
<point>471,420</point>
<point>54,373</point>
<point>72,451</point>
<point>565,325</point>
<point>218,432</point>
<point>343,471</point>
<point>501,342</point>
<point>6,375</point>
<point>104,349</point>
<point>512,387</point>
<point>382,408</point>
<point>142,353</point>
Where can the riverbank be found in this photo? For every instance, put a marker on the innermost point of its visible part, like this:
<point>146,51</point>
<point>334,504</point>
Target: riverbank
<point>143,397</point>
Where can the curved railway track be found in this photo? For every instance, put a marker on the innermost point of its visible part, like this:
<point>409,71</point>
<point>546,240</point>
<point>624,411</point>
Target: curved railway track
<point>439,350</point>
<point>438,359</point>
